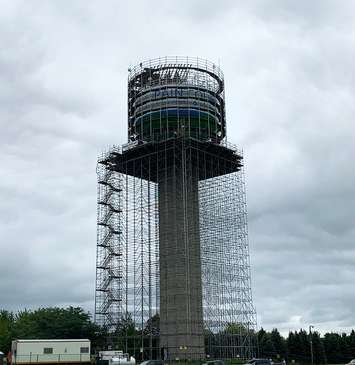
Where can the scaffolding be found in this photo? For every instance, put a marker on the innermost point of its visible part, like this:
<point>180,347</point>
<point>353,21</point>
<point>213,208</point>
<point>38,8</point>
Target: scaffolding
<point>173,271</point>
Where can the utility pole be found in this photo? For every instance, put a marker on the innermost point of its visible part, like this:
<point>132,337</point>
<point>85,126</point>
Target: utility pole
<point>311,342</point>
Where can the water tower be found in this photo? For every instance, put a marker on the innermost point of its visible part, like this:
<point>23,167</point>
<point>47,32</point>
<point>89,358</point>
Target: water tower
<point>173,272</point>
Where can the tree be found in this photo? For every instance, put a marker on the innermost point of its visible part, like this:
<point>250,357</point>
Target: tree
<point>47,323</point>
<point>126,333</point>
<point>6,330</point>
<point>268,348</point>
<point>345,347</point>
<point>318,349</point>
<point>74,322</point>
<point>291,347</point>
<point>279,344</point>
<point>293,344</point>
<point>352,344</point>
<point>266,345</point>
<point>152,326</point>
<point>331,342</point>
<point>54,323</point>
<point>304,349</point>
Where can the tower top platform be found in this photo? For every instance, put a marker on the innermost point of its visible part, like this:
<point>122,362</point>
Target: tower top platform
<point>209,159</point>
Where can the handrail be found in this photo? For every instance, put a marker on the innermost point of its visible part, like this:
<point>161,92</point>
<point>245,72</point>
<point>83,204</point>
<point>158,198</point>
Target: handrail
<point>194,62</point>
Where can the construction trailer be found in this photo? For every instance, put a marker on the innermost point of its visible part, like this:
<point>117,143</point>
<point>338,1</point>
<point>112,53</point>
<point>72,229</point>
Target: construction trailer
<point>66,351</point>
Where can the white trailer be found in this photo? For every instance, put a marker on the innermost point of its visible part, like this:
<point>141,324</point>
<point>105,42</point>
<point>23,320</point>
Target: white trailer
<point>50,351</point>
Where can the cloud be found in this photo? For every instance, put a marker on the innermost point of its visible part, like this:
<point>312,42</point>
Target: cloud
<point>290,105</point>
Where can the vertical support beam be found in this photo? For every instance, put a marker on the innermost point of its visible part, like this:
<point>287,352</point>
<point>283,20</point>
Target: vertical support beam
<point>181,318</point>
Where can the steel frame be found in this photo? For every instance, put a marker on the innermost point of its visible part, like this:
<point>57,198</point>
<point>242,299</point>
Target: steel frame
<point>132,204</point>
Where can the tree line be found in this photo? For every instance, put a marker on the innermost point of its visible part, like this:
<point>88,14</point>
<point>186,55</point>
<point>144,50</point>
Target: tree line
<point>47,323</point>
<point>71,322</point>
<point>332,348</point>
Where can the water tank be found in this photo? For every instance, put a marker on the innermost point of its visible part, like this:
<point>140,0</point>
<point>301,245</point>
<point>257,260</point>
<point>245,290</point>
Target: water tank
<point>176,96</point>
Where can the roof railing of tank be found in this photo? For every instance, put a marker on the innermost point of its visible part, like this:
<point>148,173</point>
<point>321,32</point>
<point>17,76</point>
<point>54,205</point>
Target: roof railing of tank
<point>178,62</point>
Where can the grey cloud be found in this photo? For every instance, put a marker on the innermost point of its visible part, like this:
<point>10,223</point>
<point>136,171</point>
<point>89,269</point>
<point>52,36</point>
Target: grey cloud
<point>290,105</point>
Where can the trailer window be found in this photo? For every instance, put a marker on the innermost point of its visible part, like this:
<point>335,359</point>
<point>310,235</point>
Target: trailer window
<point>48,350</point>
<point>84,350</point>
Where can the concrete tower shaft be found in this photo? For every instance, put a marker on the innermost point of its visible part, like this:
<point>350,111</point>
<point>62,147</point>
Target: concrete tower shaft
<point>181,313</point>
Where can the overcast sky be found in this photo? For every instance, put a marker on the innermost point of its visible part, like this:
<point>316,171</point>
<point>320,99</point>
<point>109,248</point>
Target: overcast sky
<point>290,94</point>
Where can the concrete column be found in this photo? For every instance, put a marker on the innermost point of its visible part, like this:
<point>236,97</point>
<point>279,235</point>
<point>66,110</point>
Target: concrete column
<point>181,316</point>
